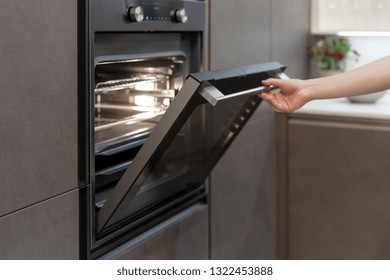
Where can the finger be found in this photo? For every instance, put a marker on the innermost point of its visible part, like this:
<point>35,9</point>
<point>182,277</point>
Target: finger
<point>271,81</point>
<point>268,102</point>
<point>271,104</point>
<point>267,96</point>
<point>275,102</point>
<point>271,100</point>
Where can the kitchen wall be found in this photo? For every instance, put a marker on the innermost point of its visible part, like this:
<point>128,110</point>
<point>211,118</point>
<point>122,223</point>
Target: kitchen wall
<point>362,20</point>
<point>370,48</point>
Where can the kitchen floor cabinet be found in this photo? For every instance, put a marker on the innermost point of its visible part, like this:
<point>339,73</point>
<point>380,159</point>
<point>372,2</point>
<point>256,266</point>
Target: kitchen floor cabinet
<point>242,185</point>
<point>38,120</point>
<point>333,188</point>
<point>47,230</point>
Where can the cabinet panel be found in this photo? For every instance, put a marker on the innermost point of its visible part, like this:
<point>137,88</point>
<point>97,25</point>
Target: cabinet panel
<point>182,237</point>
<point>338,190</point>
<point>38,113</point>
<point>239,33</point>
<point>243,194</point>
<point>241,220</point>
<point>47,230</point>
<point>243,190</point>
<point>290,35</point>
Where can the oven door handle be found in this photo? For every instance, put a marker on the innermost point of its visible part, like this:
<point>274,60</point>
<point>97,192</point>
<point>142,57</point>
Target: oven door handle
<point>213,95</point>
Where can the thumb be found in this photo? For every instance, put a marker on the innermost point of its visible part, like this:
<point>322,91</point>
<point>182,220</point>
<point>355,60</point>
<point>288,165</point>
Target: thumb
<point>271,81</point>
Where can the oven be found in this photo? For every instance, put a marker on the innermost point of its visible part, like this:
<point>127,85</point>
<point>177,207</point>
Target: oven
<point>157,124</point>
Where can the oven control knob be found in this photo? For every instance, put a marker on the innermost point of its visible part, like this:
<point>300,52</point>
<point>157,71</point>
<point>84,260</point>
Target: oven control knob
<point>136,14</point>
<point>180,15</point>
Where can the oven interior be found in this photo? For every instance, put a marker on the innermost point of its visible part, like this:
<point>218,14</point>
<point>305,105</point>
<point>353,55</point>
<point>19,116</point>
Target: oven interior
<point>130,98</point>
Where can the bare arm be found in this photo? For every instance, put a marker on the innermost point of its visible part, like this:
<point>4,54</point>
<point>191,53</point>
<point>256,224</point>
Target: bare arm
<point>293,94</point>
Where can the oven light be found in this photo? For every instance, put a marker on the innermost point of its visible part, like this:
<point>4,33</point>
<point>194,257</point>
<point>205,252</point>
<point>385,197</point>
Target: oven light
<point>144,100</point>
<point>145,86</point>
<point>166,101</point>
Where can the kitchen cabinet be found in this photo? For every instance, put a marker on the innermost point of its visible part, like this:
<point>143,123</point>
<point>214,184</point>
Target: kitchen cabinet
<point>290,25</point>
<point>47,230</point>
<point>38,120</point>
<point>333,16</point>
<point>242,185</point>
<point>243,194</point>
<point>239,32</point>
<point>333,187</point>
<point>182,237</point>
<point>39,107</point>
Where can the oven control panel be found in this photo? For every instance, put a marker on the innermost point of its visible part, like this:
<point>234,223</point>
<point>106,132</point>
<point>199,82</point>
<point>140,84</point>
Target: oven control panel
<point>156,11</point>
<point>147,15</point>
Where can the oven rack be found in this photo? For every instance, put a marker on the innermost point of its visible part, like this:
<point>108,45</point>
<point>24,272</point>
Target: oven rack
<point>128,83</point>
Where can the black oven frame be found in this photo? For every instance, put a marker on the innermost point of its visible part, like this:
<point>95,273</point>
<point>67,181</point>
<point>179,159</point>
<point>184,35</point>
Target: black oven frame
<point>101,17</point>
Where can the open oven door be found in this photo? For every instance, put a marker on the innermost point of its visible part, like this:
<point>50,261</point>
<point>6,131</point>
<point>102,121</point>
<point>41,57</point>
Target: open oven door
<point>232,96</point>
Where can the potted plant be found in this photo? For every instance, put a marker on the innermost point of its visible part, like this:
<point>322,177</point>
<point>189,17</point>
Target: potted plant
<point>330,54</point>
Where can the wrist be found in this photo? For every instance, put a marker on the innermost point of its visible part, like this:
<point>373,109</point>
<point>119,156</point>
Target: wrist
<point>310,90</point>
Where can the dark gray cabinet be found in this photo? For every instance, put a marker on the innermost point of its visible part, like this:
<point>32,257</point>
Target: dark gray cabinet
<point>253,31</point>
<point>38,112</point>
<point>290,32</point>
<point>335,190</point>
<point>38,121</point>
<point>242,185</point>
<point>182,237</point>
<point>47,230</point>
<point>239,32</point>
<point>243,194</point>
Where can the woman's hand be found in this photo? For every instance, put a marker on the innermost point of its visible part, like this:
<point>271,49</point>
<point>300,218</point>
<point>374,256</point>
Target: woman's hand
<point>290,95</point>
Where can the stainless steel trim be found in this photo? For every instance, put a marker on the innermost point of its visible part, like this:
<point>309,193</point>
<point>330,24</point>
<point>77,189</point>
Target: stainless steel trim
<point>212,94</point>
<point>283,76</point>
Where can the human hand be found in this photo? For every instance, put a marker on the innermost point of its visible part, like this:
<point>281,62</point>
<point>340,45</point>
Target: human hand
<point>289,96</point>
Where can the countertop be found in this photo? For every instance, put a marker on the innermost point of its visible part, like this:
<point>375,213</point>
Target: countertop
<point>342,107</point>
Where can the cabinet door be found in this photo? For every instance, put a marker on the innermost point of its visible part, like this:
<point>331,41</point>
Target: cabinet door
<point>239,32</point>
<point>338,190</point>
<point>38,112</point>
<point>182,237</point>
<point>242,194</point>
<point>248,32</point>
<point>290,35</point>
<point>47,230</point>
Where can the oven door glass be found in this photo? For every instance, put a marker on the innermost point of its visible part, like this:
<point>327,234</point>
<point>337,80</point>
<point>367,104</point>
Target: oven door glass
<point>179,152</point>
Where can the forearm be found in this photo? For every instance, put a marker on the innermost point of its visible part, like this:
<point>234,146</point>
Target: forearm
<point>372,77</point>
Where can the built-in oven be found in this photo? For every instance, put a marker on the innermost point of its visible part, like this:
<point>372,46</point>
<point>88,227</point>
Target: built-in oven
<point>157,124</point>
<point>139,54</point>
